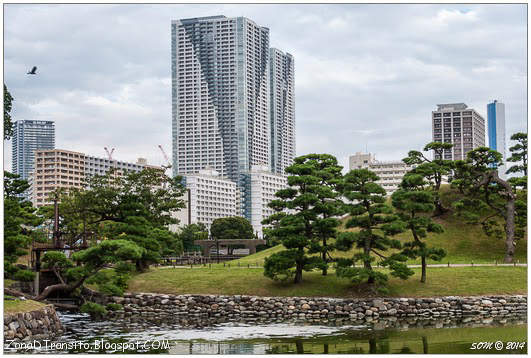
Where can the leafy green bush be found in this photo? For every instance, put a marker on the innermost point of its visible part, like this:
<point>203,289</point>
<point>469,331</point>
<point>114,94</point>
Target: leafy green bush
<point>111,282</point>
<point>24,275</point>
<point>95,310</point>
<point>114,307</point>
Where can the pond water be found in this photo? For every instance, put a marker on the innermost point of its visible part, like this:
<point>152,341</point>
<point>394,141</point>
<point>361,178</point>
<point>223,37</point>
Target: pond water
<point>82,335</point>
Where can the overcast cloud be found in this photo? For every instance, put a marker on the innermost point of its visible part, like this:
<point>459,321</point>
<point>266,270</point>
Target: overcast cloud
<point>367,76</point>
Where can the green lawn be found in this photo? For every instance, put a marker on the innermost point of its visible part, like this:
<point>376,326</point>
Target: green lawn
<point>16,306</point>
<point>251,281</point>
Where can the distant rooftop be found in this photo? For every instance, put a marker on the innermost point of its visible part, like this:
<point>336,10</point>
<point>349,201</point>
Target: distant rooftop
<point>451,106</point>
<point>196,19</point>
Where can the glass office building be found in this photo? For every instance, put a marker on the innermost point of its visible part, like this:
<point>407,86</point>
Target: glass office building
<point>496,131</point>
<point>29,136</point>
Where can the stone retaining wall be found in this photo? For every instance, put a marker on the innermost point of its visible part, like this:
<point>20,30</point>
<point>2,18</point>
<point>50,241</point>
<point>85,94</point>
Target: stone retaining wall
<point>42,323</point>
<point>319,308</point>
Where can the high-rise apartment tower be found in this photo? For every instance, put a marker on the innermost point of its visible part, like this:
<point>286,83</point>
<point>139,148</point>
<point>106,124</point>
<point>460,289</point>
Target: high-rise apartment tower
<point>29,136</point>
<point>496,131</point>
<point>282,77</point>
<point>457,124</point>
<point>220,95</point>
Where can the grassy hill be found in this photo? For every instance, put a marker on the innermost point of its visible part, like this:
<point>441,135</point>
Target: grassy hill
<point>464,243</point>
<point>17,305</point>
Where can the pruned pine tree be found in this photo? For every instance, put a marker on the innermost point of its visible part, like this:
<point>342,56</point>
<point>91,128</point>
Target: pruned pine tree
<point>329,205</point>
<point>414,204</point>
<point>20,224</point>
<point>433,170</point>
<point>304,221</point>
<point>519,156</point>
<point>489,200</point>
<point>132,206</point>
<point>86,264</point>
<point>376,224</point>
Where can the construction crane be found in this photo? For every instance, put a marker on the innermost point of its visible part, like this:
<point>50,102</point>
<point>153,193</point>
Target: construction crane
<point>109,154</point>
<point>112,162</point>
<point>168,164</point>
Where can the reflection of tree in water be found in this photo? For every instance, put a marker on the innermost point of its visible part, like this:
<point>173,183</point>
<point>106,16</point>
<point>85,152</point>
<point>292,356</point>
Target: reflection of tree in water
<point>300,348</point>
<point>425,344</point>
<point>383,347</point>
<point>279,349</point>
<point>406,350</point>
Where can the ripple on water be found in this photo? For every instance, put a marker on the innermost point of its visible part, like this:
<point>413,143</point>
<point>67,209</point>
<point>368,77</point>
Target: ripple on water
<point>234,337</point>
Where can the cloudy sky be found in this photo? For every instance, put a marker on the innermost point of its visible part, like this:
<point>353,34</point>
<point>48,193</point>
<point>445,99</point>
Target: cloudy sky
<point>367,76</point>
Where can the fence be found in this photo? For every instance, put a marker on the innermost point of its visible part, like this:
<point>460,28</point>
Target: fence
<point>225,259</point>
<point>196,260</point>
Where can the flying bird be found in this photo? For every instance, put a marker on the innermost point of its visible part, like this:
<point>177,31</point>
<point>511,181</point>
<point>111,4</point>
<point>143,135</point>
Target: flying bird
<point>33,71</point>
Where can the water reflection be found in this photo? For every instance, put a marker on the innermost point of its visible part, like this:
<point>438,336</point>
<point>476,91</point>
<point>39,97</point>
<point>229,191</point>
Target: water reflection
<point>195,336</point>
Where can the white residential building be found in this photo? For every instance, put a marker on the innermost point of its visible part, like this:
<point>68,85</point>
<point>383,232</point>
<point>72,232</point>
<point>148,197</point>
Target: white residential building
<point>220,95</point>
<point>233,108</point>
<point>60,168</point>
<point>260,186</point>
<point>390,172</point>
<point>211,197</point>
<point>282,77</point>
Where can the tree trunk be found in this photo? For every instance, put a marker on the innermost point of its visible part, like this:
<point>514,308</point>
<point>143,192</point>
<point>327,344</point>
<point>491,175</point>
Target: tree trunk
<point>372,345</point>
<point>423,276</point>
<point>323,255</point>
<point>62,287</point>
<point>141,266</point>
<point>54,288</point>
<point>299,346</point>
<point>439,208</point>
<point>17,293</point>
<point>509,232</point>
<point>492,176</point>
<point>298,273</point>
<point>367,263</point>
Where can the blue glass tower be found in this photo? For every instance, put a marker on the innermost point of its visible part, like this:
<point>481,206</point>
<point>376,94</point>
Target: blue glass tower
<point>496,130</point>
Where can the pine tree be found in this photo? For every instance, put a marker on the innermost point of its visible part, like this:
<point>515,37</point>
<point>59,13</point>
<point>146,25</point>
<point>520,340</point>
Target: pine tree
<point>304,218</point>
<point>328,207</point>
<point>519,154</point>
<point>377,224</point>
<point>413,202</point>
<point>488,198</point>
<point>433,170</point>
<point>19,225</point>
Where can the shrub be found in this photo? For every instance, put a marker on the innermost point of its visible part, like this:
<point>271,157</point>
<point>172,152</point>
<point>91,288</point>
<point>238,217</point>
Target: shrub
<point>114,307</point>
<point>95,310</point>
<point>24,275</point>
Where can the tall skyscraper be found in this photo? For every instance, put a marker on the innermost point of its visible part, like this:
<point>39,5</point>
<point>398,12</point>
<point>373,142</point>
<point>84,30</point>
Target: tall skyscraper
<point>457,124</point>
<point>282,77</point>
<point>29,136</point>
<point>220,95</point>
<point>496,130</point>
